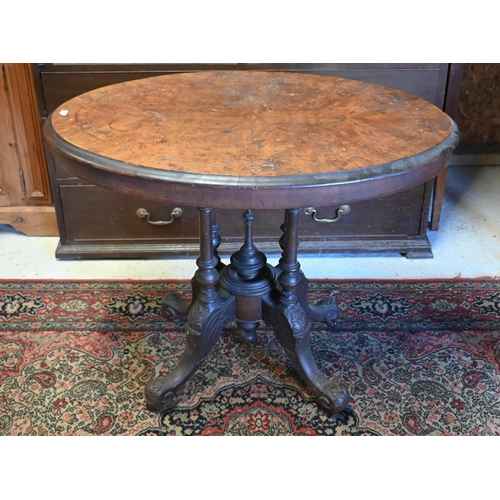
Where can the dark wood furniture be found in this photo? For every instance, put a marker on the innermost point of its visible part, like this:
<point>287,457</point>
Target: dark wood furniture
<point>252,141</point>
<point>397,223</point>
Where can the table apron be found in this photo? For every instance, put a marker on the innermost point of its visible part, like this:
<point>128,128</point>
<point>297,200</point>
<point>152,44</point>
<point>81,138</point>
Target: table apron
<point>231,197</point>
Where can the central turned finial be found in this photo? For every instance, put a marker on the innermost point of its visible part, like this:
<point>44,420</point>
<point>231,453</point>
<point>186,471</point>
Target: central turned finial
<point>248,278</point>
<point>249,216</point>
<point>248,261</point>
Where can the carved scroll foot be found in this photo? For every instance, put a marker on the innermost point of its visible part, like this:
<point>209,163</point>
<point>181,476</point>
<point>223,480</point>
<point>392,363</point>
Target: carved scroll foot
<point>292,331</point>
<point>326,309</point>
<point>333,397</point>
<point>173,305</point>
<point>205,322</point>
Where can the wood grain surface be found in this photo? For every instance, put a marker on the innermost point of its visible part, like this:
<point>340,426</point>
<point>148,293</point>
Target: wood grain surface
<point>251,124</point>
<point>229,139</point>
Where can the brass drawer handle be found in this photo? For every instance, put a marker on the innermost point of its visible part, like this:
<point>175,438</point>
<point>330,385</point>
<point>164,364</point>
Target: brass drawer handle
<point>176,212</point>
<point>343,210</point>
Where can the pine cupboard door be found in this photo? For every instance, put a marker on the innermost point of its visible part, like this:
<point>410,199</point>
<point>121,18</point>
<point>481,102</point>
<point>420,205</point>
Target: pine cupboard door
<point>25,197</point>
<point>10,186</point>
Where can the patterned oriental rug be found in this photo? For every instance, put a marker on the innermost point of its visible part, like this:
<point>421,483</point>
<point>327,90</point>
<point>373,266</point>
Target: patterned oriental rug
<point>418,357</point>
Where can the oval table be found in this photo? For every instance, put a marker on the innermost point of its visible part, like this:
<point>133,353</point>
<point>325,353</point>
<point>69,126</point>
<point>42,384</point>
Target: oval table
<point>246,140</point>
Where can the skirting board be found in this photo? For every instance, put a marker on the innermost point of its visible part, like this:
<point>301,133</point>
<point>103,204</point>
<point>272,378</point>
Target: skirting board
<point>476,155</point>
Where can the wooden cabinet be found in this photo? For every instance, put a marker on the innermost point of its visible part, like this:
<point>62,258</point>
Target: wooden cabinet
<point>25,197</point>
<point>95,223</point>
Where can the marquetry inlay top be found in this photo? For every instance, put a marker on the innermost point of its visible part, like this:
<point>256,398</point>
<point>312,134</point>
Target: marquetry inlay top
<point>245,124</point>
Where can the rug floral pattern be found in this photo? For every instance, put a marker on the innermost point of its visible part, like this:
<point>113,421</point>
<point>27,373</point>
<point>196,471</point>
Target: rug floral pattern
<point>419,358</point>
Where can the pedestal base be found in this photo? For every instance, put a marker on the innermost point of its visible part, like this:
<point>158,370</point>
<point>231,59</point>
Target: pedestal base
<point>249,291</point>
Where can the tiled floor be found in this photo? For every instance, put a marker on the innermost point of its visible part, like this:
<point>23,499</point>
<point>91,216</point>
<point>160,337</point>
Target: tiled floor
<point>467,245</point>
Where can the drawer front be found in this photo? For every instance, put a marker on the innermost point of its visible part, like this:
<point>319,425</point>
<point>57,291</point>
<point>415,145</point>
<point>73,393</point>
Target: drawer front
<point>401,214</point>
<point>96,214</point>
<point>395,215</point>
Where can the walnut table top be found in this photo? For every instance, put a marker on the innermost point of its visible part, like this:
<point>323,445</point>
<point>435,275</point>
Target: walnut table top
<point>244,139</point>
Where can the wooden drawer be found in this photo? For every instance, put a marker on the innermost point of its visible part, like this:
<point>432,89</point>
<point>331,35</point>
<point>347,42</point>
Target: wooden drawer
<point>112,217</point>
<point>395,215</point>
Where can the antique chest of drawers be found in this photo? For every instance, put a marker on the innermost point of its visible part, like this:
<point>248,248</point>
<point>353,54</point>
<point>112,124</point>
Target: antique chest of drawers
<point>95,223</point>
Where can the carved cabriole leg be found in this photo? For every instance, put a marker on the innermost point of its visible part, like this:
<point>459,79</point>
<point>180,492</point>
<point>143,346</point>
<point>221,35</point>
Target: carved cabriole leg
<point>287,316</point>
<point>212,310</point>
<point>173,304</point>
<point>324,309</point>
